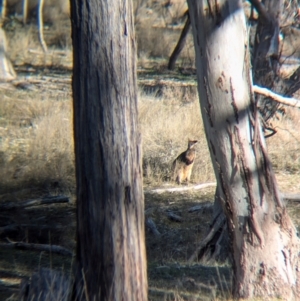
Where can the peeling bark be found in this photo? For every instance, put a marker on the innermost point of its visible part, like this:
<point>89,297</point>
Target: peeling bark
<point>263,238</point>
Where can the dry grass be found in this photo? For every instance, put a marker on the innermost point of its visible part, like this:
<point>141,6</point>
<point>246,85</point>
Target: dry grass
<point>25,48</point>
<point>160,42</point>
<point>159,13</point>
<point>37,140</point>
<point>36,143</point>
<point>167,123</point>
<point>158,27</point>
<point>284,147</point>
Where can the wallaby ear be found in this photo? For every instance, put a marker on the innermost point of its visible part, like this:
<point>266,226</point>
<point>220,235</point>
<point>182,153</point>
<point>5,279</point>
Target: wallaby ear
<point>193,142</point>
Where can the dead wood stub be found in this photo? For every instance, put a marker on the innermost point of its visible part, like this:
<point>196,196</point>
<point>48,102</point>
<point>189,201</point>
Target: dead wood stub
<point>174,217</point>
<point>151,225</point>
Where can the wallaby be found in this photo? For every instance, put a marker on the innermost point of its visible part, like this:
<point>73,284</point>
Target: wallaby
<point>183,164</point>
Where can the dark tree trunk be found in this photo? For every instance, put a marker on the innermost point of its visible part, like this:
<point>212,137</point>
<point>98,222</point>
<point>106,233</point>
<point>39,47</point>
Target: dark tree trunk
<point>267,57</point>
<point>266,53</point>
<point>263,238</point>
<point>110,256</point>
<point>266,46</point>
<point>181,42</point>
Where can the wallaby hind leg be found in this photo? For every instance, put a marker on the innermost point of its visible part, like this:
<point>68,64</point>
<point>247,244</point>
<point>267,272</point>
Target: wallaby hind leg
<point>188,178</point>
<point>178,179</point>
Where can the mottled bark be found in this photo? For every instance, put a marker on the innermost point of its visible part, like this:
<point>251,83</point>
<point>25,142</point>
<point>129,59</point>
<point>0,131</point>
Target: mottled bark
<point>263,238</point>
<point>110,256</point>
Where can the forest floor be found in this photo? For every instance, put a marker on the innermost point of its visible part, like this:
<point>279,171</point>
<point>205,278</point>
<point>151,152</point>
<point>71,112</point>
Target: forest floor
<point>171,276</point>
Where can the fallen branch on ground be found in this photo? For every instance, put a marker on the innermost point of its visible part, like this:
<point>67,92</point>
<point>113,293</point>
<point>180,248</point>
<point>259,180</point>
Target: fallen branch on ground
<point>178,189</point>
<point>16,227</point>
<point>293,102</point>
<point>174,217</point>
<point>36,247</point>
<point>36,202</point>
<point>202,207</point>
<point>291,197</point>
<point>8,229</point>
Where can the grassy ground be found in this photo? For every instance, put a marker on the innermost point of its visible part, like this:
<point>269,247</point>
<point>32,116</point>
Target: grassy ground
<point>37,159</point>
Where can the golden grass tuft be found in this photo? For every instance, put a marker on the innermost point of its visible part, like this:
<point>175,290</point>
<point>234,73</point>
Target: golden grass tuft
<point>20,41</point>
<point>36,140</point>
<point>284,147</point>
<point>36,145</point>
<point>160,42</point>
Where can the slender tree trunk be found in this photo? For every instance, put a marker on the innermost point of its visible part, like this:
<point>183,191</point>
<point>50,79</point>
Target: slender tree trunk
<point>181,42</point>
<point>25,10</point>
<point>41,25</point>
<point>263,238</point>
<point>111,257</point>
<point>2,9</point>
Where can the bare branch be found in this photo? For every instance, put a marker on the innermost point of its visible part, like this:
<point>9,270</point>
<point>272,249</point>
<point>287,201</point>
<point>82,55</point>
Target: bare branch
<point>181,42</point>
<point>293,102</point>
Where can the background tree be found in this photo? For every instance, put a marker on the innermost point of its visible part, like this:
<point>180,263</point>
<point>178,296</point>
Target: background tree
<point>263,238</point>
<point>268,55</point>
<point>110,259</point>
<point>7,71</point>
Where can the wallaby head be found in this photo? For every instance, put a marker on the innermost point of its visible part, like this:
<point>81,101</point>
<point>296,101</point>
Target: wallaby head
<point>192,143</point>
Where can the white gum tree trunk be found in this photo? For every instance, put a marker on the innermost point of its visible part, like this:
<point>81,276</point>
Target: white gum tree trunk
<point>263,238</point>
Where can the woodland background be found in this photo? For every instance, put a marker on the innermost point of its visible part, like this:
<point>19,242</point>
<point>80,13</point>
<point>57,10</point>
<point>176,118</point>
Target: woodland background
<point>37,156</point>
